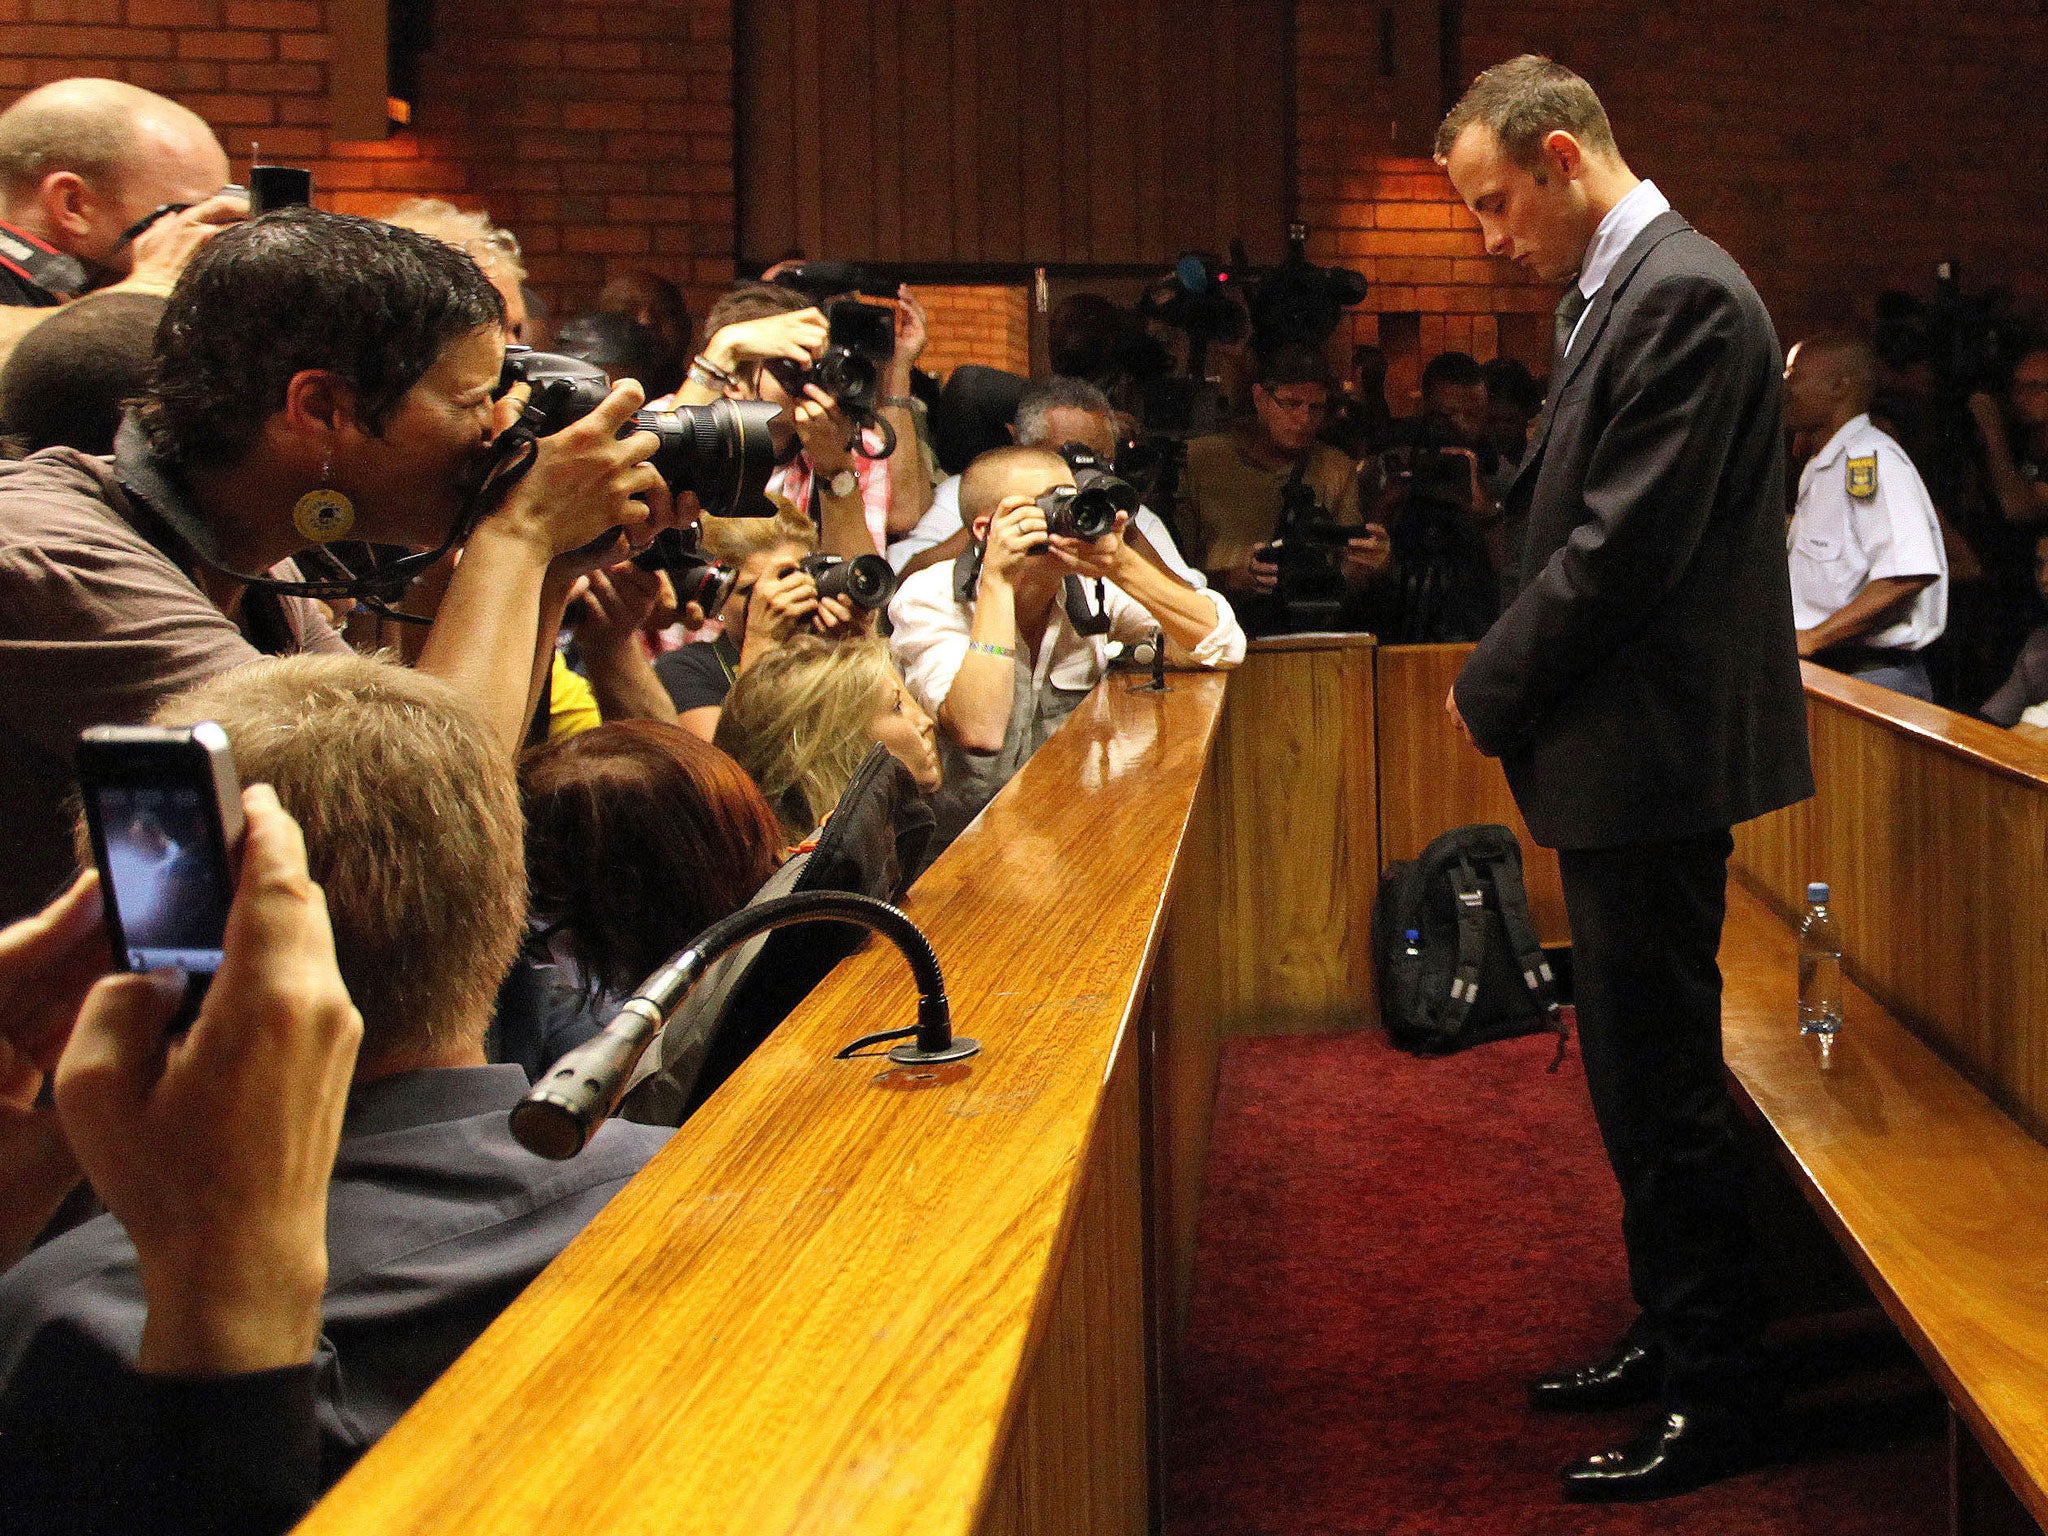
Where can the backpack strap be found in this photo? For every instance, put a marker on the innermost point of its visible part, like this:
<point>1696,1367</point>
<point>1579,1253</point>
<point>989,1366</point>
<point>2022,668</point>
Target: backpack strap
<point>1513,902</point>
<point>1471,900</point>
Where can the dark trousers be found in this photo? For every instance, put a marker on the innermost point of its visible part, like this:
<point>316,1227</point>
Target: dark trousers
<point>1646,930</point>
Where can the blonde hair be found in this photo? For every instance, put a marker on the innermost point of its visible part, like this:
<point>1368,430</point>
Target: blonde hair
<point>801,719</point>
<point>737,539</point>
<point>412,823</point>
<point>492,248</point>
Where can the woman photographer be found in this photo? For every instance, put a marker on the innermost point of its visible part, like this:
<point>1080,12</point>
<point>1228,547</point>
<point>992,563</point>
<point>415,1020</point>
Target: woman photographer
<point>316,378</point>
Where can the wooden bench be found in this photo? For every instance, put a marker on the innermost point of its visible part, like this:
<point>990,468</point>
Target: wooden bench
<point>1910,1138</point>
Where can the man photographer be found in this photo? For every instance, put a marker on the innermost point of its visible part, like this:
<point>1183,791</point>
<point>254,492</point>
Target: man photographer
<point>316,377</point>
<point>1051,414</point>
<point>2016,447</point>
<point>1000,645</point>
<point>1231,491</point>
<point>83,164</point>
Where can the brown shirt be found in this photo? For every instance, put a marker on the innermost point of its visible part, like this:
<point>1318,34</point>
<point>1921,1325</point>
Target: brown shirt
<point>1231,502</point>
<point>97,626</point>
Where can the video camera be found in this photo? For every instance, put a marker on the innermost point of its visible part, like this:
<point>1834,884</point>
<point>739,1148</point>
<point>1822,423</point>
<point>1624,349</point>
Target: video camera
<point>1307,545</point>
<point>722,453</point>
<point>866,581</point>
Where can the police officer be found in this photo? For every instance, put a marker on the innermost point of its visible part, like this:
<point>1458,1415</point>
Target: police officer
<point>1869,574</point>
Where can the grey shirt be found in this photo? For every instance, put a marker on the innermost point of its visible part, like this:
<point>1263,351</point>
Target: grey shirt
<point>436,1220</point>
<point>99,625</point>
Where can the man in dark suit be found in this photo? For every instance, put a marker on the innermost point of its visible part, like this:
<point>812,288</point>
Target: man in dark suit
<point>1642,691</point>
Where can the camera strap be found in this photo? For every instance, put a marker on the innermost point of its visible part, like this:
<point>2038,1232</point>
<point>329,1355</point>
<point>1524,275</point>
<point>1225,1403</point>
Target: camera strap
<point>1083,619</point>
<point>40,264</point>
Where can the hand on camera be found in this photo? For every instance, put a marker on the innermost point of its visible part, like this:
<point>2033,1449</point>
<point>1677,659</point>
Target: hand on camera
<point>587,480</point>
<point>162,250</point>
<point>1367,554</point>
<point>841,618</point>
<point>214,1149</point>
<point>825,431</point>
<point>1015,534</point>
<point>618,602</point>
<point>783,603</point>
<point>1092,557</point>
<point>798,337</point>
<point>1261,573</point>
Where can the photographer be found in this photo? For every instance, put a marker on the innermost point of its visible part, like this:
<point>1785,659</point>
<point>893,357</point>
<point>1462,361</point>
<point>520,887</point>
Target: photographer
<point>214,1155</point>
<point>2016,449</point>
<point>316,376</point>
<point>1051,414</point>
<point>1000,645</point>
<point>754,326</point>
<point>1231,490</point>
<point>83,163</point>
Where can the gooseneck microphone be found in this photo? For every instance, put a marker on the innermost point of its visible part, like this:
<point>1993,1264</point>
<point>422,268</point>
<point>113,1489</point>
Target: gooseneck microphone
<point>561,1111</point>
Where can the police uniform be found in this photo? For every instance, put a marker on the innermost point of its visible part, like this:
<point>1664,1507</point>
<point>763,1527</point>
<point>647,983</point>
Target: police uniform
<point>1864,515</point>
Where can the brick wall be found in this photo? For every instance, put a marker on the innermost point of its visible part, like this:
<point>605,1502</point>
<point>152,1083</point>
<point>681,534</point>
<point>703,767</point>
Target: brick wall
<point>982,324</point>
<point>602,135</point>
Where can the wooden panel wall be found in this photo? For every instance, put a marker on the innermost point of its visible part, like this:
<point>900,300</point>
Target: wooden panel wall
<point>1281,936</point>
<point>1932,829</point>
<point>1431,779</point>
<point>1012,131</point>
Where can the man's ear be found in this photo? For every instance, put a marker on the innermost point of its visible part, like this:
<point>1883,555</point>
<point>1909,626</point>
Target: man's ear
<point>979,527</point>
<point>68,203</point>
<point>1564,152</point>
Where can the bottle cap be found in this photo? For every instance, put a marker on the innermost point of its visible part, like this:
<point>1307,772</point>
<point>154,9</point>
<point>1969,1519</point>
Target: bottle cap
<point>1411,934</point>
<point>1818,891</point>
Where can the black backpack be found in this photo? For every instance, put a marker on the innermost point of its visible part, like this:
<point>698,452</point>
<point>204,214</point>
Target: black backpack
<point>1459,961</point>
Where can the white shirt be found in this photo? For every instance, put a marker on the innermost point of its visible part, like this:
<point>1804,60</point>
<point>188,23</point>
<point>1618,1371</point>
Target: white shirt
<point>1864,515</point>
<point>943,521</point>
<point>1625,220</point>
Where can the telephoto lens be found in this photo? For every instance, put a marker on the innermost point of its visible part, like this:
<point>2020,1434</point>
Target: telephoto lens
<point>723,453</point>
<point>866,581</point>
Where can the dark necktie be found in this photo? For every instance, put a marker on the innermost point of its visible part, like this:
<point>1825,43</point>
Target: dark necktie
<point>1569,308</point>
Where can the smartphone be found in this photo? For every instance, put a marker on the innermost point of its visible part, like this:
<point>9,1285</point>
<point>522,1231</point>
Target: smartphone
<point>164,807</point>
<point>866,329</point>
<point>278,186</point>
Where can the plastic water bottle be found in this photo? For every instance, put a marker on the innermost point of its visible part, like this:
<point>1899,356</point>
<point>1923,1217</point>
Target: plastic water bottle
<point>1820,967</point>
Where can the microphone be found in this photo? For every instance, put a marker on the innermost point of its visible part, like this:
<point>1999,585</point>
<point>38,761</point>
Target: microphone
<point>561,1112</point>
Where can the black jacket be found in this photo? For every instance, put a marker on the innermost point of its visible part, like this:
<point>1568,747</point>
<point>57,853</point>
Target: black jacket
<point>1644,683</point>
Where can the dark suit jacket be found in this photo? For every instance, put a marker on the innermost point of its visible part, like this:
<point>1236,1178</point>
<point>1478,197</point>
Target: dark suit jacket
<point>1644,683</point>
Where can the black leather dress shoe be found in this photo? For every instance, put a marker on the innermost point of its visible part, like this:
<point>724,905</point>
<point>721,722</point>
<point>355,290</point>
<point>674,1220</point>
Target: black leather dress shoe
<point>1633,1374</point>
<point>1675,1453</point>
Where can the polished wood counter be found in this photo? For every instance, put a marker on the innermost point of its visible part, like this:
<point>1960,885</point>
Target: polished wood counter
<point>1932,830</point>
<point>854,1298</point>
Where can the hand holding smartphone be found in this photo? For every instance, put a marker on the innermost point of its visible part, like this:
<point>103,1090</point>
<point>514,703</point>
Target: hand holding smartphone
<point>164,809</point>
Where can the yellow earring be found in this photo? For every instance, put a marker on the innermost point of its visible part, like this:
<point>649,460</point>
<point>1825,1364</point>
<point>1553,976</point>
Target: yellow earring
<point>324,515</point>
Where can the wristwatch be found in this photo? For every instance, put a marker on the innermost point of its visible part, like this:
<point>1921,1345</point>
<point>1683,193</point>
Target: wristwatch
<point>845,483</point>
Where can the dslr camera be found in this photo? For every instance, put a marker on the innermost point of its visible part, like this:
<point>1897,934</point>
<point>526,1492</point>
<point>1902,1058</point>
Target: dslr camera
<point>859,347</point>
<point>722,453</point>
<point>1087,509</point>
<point>1308,546</point>
<point>866,581</point>
<point>694,576</point>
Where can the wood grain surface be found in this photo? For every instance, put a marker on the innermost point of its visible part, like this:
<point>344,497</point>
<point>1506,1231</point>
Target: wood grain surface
<point>1939,1198</point>
<point>1277,914</point>
<point>1431,779</point>
<point>851,1298</point>
<point>1932,831</point>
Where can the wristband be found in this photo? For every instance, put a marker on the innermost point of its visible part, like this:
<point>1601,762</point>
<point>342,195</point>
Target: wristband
<point>906,401</point>
<point>1007,652</point>
<point>712,376</point>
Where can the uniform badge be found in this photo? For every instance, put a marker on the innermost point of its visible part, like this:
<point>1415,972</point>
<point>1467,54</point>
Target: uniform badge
<point>1863,478</point>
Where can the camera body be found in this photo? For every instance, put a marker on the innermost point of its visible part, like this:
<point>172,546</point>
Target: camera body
<point>866,581</point>
<point>722,453</point>
<point>860,344</point>
<point>695,578</point>
<point>1307,545</point>
<point>1087,509</point>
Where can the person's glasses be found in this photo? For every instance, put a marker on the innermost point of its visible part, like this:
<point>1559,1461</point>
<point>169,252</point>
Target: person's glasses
<point>1298,405</point>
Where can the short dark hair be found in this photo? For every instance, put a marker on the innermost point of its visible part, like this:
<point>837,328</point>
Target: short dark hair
<point>619,344</point>
<point>1458,369</point>
<point>1509,379</point>
<point>1294,365</point>
<point>751,301</point>
<point>302,289</point>
<point>1059,393</point>
<point>68,379</point>
<point>1523,100</point>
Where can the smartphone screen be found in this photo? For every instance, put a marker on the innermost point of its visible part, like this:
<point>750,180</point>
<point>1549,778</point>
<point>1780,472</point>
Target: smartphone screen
<point>158,804</point>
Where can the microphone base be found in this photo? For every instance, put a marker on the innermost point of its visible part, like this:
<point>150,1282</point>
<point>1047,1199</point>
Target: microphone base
<point>910,1056</point>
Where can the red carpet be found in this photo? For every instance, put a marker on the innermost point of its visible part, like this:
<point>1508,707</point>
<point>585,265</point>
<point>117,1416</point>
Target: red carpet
<point>1389,1248</point>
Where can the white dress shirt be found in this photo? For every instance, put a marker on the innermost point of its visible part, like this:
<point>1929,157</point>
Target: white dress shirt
<point>1625,220</point>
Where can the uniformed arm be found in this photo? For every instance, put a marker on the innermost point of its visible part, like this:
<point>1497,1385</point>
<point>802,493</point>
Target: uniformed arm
<point>1682,380</point>
<point>1879,605</point>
